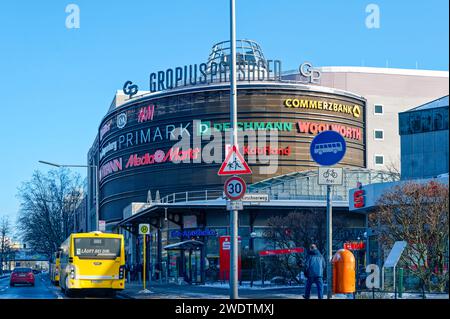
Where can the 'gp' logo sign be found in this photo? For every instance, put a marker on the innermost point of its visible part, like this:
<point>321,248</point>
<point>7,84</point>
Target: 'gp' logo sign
<point>308,71</point>
<point>130,89</point>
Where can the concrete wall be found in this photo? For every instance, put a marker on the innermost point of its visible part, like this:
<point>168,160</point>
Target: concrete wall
<point>397,90</point>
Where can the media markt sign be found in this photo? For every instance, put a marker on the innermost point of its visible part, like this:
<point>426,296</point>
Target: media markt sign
<point>330,176</point>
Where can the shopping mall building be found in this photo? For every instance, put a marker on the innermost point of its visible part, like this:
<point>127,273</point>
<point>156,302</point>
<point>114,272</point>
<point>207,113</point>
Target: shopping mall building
<point>158,152</point>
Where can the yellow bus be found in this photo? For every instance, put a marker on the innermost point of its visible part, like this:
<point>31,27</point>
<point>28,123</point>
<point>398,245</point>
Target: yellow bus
<point>54,268</point>
<point>92,261</point>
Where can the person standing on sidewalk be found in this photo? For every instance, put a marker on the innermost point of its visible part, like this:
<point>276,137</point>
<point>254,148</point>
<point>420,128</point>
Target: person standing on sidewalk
<point>314,268</point>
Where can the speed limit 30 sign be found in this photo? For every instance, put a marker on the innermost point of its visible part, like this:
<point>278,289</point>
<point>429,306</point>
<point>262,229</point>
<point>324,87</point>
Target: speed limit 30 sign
<point>235,188</point>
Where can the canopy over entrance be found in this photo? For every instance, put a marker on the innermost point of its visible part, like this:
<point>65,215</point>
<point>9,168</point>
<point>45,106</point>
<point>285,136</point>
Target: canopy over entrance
<point>185,245</point>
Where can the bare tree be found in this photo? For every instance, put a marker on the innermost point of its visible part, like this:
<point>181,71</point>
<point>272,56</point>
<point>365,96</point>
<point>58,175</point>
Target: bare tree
<point>47,208</point>
<point>298,229</point>
<point>5,241</point>
<point>418,214</point>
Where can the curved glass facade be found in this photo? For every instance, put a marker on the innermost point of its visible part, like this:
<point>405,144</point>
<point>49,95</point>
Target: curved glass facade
<point>138,141</point>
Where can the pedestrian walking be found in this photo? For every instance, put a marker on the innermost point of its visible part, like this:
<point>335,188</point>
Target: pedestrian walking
<point>314,268</point>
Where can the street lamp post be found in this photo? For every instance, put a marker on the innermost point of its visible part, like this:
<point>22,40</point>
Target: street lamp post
<point>97,206</point>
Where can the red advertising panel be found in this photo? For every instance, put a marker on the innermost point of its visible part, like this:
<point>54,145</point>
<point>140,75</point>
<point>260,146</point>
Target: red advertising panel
<point>224,257</point>
<point>281,251</point>
<point>356,245</point>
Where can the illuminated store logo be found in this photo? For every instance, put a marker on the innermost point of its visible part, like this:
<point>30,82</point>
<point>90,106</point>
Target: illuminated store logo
<point>110,167</point>
<point>315,128</point>
<point>153,134</point>
<point>105,129</point>
<point>358,197</point>
<point>146,113</point>
<point>108,148</point>
<point>193,233</point>
<point>205,127</point>
<point>354,110</point>
<point>266,150</point>
<point>174,154</point>
<point>121,120</point>
<point>355,245</point>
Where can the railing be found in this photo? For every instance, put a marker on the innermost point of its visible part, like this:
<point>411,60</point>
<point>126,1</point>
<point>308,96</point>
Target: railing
<point>183,197</point>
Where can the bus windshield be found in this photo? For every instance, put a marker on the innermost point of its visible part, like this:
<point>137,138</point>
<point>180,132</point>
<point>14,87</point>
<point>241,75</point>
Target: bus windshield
<point>97,248</point>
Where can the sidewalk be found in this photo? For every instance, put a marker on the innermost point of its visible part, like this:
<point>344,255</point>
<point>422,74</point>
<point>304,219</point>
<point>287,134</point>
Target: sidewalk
<point>211,291</point>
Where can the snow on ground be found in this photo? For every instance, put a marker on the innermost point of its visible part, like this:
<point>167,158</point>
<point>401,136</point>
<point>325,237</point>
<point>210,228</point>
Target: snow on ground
<point>246,285</point>
<point>386,295</point>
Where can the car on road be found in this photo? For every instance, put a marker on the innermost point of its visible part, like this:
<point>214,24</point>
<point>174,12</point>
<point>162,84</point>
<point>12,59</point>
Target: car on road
<point>22,276</point>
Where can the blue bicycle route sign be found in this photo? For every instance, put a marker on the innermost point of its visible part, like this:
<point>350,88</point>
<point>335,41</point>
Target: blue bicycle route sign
<point>328,148</point>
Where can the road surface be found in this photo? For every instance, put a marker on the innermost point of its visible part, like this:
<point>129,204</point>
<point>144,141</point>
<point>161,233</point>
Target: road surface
<point>41,290</point>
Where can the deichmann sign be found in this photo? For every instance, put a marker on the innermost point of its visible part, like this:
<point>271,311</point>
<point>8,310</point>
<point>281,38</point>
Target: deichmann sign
<point>205,126</point>
<point>354,110</point>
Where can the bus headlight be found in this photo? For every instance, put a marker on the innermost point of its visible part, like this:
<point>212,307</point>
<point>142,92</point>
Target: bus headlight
<point>122,272</point>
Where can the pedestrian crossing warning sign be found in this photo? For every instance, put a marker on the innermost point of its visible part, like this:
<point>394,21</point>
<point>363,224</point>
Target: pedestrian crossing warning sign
<point>234,164</point>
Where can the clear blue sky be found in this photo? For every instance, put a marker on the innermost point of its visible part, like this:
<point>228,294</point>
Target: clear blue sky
<point>56,84</point>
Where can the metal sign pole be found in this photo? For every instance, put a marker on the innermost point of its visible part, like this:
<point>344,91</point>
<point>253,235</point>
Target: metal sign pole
<point>329,241</point>
<point>144,260</point>
<point>234,142</point>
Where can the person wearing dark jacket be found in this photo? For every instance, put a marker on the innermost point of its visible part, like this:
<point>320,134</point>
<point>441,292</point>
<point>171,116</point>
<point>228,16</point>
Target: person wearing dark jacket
<point>314,267</point>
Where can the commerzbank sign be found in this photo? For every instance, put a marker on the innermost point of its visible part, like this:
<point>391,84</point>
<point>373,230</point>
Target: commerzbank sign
<point>352,109</point>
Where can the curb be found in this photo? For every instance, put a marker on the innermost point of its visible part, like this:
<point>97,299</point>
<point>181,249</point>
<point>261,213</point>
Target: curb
<point>125,295</point>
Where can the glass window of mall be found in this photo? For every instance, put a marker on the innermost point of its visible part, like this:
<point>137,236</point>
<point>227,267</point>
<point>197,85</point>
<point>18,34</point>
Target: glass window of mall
<point>379,134</point>
<point>425,118</point>
<point>379,159</point>
<point>378,109</point>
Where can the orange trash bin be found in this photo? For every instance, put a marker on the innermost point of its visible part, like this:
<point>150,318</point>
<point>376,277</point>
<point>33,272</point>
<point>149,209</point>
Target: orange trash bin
<point>344,276</point>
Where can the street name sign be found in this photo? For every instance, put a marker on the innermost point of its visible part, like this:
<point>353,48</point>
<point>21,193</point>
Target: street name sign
<point>234,164</point>
<point>144,229</point>
<point>328,148</point>
<point>330,176</point>
<point>255,198</point>
<point>235,188</point>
